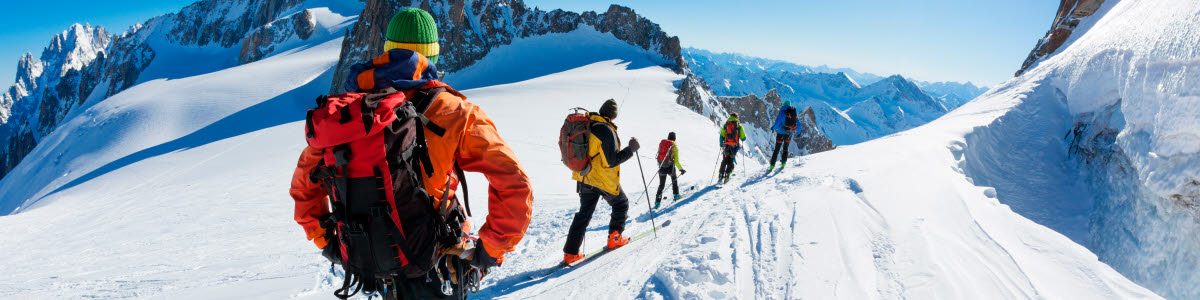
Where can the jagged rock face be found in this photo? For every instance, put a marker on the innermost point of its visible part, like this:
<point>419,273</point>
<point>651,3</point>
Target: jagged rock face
<point>809,139</point>
<point>223,22</point>
<point>694,94</point>
<point>469,30</point>
<point>753,110</point>
<point>1065,21</point>
<point>261,42</point>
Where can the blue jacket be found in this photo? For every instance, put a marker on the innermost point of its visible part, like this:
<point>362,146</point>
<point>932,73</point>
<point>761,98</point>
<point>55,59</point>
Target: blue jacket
<point>778,127</point>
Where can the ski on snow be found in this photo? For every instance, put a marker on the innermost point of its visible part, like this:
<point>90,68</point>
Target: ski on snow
<point>594,254</point>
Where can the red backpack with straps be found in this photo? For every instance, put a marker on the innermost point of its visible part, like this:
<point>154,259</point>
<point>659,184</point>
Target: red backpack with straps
<point>573,139</point>
<point>664,149</point>
<point>731,133</point>
<point>375,161</point>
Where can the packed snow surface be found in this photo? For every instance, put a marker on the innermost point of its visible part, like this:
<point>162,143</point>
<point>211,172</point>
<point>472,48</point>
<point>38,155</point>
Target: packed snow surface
<point>176,189</point>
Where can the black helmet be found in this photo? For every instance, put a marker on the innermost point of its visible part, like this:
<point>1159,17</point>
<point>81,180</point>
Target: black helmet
<point>671,136</point>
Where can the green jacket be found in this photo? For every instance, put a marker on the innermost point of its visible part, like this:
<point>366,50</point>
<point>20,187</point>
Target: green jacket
<point>673,156</point>
<point>740,129</point>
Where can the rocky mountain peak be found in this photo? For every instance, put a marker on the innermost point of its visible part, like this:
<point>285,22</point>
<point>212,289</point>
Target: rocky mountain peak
<point>75,47</point>
<point>1070,12</point>
<point>469,30</point>
<point>809,139</point>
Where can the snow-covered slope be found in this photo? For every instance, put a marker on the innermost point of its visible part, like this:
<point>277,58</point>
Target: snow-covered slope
<point>176,189</point>
<point>86,64</point>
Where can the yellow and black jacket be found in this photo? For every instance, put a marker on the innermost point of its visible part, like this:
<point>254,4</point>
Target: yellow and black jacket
<point>604,147</point>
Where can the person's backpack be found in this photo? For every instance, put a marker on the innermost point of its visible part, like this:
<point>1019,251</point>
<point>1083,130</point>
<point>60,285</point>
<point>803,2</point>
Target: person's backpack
<point>790,120</point>
<point>375,161</point>
<point>573,141</point>
<point>731,132</point>
<point>664,150</point>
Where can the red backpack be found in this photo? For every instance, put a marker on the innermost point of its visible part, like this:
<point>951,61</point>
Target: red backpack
<point>664,149</point>
<point>731,133</point>
<point>383,221</point>
<point>573,141</point>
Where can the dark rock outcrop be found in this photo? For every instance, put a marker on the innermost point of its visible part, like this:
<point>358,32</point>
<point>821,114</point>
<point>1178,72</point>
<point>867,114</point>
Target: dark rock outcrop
<point>464,42</point>
<point>752,110</point>
<point>1069,14</point>
<point>262,41</point>
<point>810,139</point>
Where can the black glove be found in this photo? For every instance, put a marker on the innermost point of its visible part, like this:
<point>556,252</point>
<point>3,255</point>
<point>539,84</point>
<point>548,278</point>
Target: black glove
<point>332,253</point>
<point>633,144</point>
<point>682,171</point>
<point>482,260</point>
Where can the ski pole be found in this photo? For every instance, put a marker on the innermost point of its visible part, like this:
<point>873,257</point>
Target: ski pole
<point>653,178</point>
<point>646,190</point>
<point>744,165</point>
<point>717,166</point>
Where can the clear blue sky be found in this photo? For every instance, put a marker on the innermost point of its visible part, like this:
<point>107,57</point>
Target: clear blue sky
<point>935,40</point>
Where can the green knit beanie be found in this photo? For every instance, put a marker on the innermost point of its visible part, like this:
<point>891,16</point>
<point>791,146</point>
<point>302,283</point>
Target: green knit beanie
<point>414,29</point>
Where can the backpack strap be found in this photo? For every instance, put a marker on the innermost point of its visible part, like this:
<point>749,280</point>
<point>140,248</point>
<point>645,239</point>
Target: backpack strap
<point>462,179</point>
<point>424,98</point>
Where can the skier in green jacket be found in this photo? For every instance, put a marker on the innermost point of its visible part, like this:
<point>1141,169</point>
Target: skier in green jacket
<point>668,162</point>
<point>732,135</point>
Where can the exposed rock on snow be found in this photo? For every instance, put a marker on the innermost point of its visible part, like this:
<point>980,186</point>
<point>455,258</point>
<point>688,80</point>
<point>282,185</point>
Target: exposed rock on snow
<point>809,138</point>
<point>262,41</point>
<point>469,30</point>
<point>1069,14</point>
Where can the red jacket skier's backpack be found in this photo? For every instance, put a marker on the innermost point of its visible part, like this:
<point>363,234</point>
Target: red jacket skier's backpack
<point>573,141</point>
<point>790,120</point>
<point>664,150</point>
<point>383,221</point>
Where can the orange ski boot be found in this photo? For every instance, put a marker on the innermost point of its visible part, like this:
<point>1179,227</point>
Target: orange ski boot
<point>615,240</point>
<point>571,258</point>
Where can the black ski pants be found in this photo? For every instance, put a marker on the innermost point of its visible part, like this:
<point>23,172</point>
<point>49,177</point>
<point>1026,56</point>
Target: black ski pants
<point>727,165</point>
<point>728,160</point>
<point>588,197</point>
<point>782,141</point>
<point>662,182</point>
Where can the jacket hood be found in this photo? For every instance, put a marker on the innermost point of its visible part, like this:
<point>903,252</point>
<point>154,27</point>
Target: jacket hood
<point>401,69</point>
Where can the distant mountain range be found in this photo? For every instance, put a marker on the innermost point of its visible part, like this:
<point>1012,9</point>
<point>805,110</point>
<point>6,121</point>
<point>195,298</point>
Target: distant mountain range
<point>850,107</point>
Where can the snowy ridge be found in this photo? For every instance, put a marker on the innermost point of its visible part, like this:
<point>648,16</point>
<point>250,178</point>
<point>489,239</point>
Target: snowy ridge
<point>1126,78</point>
<point>87,64</point>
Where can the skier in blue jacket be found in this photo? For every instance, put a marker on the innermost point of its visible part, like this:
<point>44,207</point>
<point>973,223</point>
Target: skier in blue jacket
<point>784,127</point>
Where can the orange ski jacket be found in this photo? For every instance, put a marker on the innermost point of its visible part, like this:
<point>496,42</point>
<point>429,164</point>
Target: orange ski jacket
<point>471,138</point>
